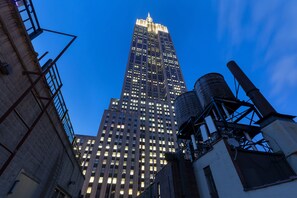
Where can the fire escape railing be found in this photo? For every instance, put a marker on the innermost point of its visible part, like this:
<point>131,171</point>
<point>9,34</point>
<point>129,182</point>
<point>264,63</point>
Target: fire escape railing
<point>29,17</point>
<point>53,81</point>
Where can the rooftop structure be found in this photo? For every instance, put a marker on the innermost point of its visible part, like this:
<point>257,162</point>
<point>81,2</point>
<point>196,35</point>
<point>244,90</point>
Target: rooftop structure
<point>237,148</point>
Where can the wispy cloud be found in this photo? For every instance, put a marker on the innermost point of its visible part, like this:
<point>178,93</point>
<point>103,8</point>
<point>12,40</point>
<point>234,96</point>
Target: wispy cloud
<point>271,27</point>
<point>229,20</point>
<point>284,74</point>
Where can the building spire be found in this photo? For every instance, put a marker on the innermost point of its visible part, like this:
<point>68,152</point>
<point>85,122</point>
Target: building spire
<point>149,18</point>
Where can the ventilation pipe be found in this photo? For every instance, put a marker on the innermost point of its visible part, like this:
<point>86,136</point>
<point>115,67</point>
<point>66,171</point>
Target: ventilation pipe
<point>251,91</point>
<point>278,129</point>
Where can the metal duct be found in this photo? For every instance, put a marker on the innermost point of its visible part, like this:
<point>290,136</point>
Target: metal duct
<point>251,91</point>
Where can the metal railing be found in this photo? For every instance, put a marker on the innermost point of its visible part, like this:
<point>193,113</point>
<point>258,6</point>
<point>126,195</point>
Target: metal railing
<point>29,17</point>
<point>53,81</point>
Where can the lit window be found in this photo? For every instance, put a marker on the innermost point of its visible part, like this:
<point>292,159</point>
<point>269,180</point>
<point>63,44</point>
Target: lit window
<point>114,181</point>
<point>123,181</point>
<point>89,190</point>
<point>91,179</point>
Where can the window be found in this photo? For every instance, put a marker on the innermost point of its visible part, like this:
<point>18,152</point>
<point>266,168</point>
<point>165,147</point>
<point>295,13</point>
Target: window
<point>210,183</point>
<point>89,190</point>
<point>58,193</point>
<point>158,190</point>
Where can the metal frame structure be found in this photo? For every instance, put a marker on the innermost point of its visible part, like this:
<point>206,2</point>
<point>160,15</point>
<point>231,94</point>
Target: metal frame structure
<point>233,119</point>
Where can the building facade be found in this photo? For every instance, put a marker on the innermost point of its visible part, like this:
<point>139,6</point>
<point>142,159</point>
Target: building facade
<point>139,128</point>
<point>85,145</point>
<point>36,155</point>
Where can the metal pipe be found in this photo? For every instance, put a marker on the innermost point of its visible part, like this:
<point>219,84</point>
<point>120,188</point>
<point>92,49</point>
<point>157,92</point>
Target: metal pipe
<point>249,139</point>
<point>57,32</point>
<point>225,110</point>
<point>41,57</point>
<point>251,91</point>
<point>214,114</point>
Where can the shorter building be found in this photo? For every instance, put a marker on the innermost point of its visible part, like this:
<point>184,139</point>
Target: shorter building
<point>36,136</point>
<point>224,171</point>
<point>231,172</point>
<point>174,180</point>
<point>85,146</point>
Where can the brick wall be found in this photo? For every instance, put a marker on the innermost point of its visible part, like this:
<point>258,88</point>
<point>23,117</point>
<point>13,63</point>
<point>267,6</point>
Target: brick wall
<point>46,155</point>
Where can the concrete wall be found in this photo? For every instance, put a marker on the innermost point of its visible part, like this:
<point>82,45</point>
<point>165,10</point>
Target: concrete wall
<point>46,156</point>
<point>282,137</point>
<point>227,181</point>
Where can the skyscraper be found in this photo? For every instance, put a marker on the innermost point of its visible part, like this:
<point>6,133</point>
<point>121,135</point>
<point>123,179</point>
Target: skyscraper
<point>137,129</point>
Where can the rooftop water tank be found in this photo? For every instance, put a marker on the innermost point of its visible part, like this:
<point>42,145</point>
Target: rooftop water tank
<point>186,105</point>
<point>212,85</point>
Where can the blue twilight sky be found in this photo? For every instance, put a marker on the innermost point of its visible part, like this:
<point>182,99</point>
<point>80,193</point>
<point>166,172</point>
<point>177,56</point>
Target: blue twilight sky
<point>260,35</point>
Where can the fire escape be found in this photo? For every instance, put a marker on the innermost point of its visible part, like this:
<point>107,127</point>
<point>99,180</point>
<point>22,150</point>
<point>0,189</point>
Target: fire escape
<point>48,74</point>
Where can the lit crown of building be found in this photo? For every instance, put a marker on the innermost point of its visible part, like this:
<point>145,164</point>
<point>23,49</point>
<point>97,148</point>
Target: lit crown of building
<point>152,27</point>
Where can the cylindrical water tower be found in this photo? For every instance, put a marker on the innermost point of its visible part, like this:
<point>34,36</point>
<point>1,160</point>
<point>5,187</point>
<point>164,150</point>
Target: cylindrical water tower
<point>186,106</point>
<point>210,86</point>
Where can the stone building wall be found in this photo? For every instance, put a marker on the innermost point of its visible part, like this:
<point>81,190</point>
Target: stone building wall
<point>40,159</point>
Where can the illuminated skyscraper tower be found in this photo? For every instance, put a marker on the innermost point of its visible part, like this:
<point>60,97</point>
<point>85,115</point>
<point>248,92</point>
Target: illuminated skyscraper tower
<point>137,129</point>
